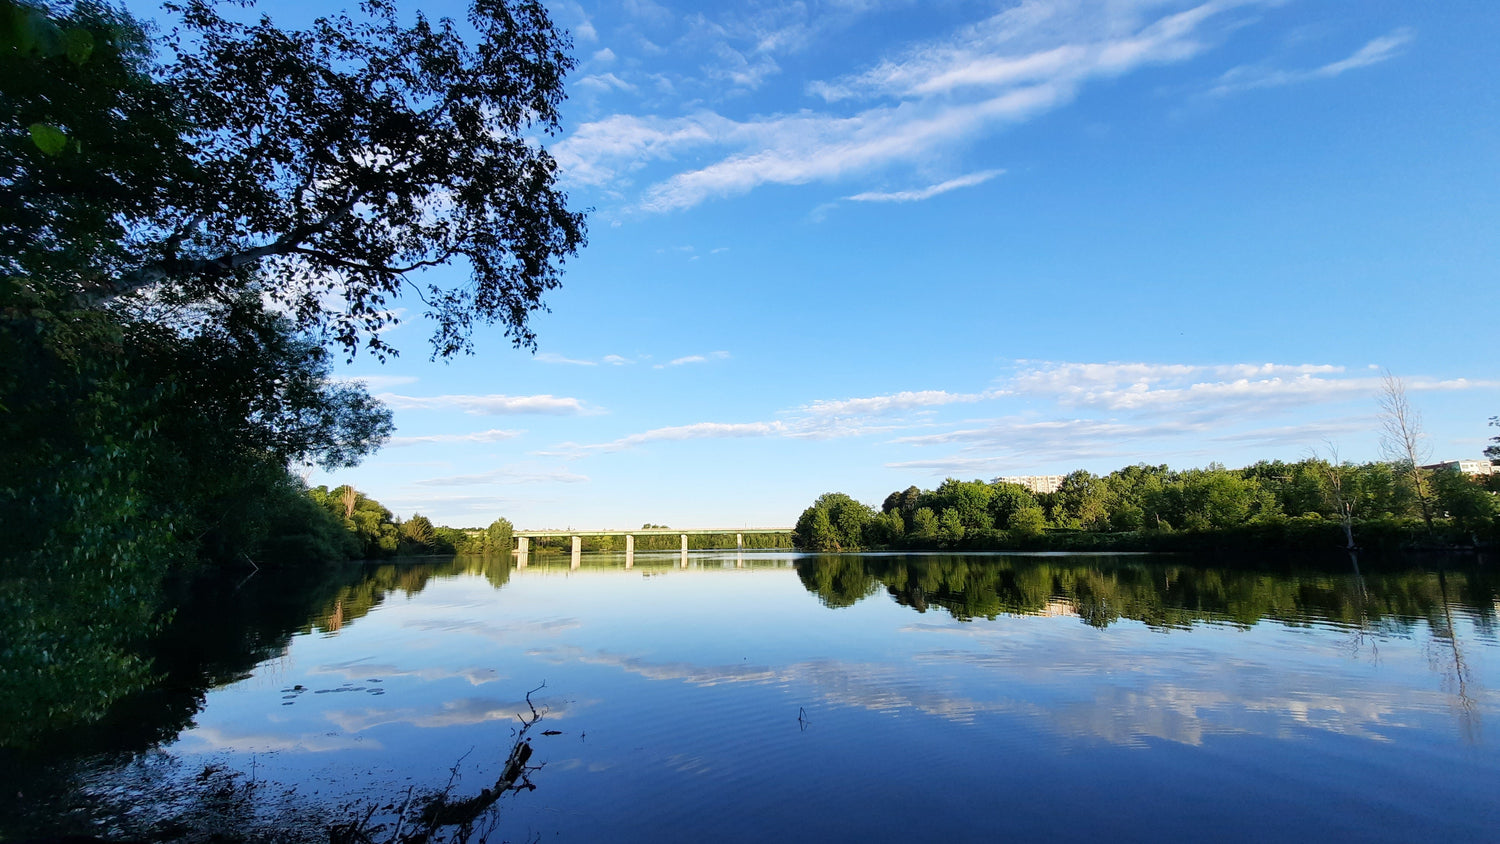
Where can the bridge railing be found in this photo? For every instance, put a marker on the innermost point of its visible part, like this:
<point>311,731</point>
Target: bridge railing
<point>524,537</point>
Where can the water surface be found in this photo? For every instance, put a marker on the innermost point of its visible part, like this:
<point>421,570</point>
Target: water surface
<point>771,695</point>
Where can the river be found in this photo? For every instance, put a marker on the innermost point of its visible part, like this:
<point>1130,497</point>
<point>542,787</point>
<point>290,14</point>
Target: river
<point>779,696</point>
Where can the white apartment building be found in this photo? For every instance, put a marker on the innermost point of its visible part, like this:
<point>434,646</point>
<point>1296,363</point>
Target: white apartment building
<point>1035,483</point>
<point>1467,467</point>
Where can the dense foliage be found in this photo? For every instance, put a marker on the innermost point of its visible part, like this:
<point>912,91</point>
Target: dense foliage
<point>1310,502</point>
<point>177,240</point>
<point>338,161</point>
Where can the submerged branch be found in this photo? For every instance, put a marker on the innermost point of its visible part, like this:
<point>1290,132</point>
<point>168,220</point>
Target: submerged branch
<point>440,810</point>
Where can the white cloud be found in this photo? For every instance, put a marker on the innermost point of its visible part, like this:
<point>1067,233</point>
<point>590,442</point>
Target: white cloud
<point>928,192</point>
<point>605,82</point>
<point>616,360</point>
<point>1016,65</point>
<point>674,433</point>
<point>553,357</point>
<point>1144,411</point>
<point>488,405</point>
<point>823,419</point>
<point>601,152</point>
<point>648,10</point>
<point>686,359</point>
<point>1218,390</point>
<point>581,27</point>
<point>741,70</point>
<point>491,436</point>
<point>808,147</point>
<point>875,405</point>
<point>1078,412</point>
<point>1249,77</point>
<point>508,475</point>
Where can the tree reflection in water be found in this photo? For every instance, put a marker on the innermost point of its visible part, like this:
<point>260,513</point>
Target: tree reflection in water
<point>220,629</point>
<point>1105,589</point>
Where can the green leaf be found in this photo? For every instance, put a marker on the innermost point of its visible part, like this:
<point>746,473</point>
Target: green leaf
<point>48,138</point>
<point>79,44</point>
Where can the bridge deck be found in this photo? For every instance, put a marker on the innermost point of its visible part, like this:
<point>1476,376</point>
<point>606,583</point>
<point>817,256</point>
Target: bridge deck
<point>649,532</point>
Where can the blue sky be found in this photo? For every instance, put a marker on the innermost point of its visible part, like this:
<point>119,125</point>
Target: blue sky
<point>858,245</point>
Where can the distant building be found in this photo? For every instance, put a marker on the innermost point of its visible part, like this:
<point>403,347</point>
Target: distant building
<point>1467,467</point>
<point>1035,483</point>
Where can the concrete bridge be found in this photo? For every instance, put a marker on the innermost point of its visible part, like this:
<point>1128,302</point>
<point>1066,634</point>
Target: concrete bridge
<point>524,537</point>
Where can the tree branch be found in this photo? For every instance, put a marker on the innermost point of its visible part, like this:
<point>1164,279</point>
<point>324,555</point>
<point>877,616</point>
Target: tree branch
<point>170,267</point>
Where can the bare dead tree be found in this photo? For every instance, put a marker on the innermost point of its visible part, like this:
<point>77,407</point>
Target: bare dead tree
<point>1343,500</point>
<point>1401,439</point>
<point>350,498</point>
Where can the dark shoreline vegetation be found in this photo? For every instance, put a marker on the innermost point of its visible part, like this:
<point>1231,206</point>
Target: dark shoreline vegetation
<point>1311,507</point>
<point>191,221</point>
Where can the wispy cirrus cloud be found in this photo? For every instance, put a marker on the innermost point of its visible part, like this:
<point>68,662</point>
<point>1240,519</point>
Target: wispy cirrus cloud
<point>494,404</point>
<point>1080,412</point>
<point>674,433</point>
<point>1126,412</point>
<point>1218,390</point>
<point>605,82</point>
<point>508,475</point>
<point>928,192</point>
<point>1250,77</point>
<point>607,360</point>
<point>878,405</point>
<point>1015,444</point>
<point>823,419</point>
<point>553,357</point>
<point>1010,67</point>
<point>493,435</point>
<point>687,359</point>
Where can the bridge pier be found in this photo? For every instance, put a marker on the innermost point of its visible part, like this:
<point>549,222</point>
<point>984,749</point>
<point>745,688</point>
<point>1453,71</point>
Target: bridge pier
<point>524,540</point>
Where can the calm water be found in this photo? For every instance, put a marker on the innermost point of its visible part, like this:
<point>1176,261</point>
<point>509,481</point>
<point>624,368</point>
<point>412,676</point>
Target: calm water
<point>776,696</point>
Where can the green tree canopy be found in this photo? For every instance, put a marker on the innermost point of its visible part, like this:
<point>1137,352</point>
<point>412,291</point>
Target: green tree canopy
<point>835,522</point>
<point>341,160</point>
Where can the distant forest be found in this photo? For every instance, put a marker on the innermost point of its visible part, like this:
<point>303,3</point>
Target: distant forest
<point>1311,504</point>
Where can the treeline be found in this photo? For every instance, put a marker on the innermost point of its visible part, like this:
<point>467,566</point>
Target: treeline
<point>1307,504</point>
<point>372,532</point>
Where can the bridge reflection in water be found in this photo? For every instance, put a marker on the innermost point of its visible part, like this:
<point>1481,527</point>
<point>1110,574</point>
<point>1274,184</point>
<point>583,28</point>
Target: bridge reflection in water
<point>524,537</point>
